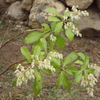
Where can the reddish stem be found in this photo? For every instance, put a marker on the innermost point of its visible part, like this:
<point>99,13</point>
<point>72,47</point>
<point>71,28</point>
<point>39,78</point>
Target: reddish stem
<point>11,65</point>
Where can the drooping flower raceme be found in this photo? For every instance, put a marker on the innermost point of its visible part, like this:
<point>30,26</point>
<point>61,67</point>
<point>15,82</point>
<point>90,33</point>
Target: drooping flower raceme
<point>23,74</point>
<point>56,55</point>
<point>92,80</point>
<point>74,29</point>
<point>96,69</point>
<point>89,83</point>
<point>84,82</point>
<point>46,64</point>
<point>90,91</point>
<point>75,14</point>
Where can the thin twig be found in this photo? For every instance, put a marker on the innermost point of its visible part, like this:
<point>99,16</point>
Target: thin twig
<point>11,40</point>
<point>11,65</point>
<point>14,38</point>
<point>7,43</point>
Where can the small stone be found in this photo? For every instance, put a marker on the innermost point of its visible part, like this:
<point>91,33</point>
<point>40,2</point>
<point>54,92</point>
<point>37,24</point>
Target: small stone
<point>84,4</point>
<point>37,13</point>
<point>15,11</point>
<point>27,4</point>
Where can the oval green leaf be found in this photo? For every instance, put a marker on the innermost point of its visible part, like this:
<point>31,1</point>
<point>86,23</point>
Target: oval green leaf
<point>60,41</point>
<point>32,37</point>
<point>69,33</point>
<point>58,27</point>
<point>70,58</point>
<point>53,11</point>
<point>52,18</point>
<point>26,53</point>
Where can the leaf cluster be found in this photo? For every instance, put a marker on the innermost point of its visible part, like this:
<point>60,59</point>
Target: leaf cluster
<point>42,45</point>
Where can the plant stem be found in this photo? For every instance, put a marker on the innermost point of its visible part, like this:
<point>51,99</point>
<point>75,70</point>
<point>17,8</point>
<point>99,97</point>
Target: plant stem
<point>10,40</point>
<point>11,65</point>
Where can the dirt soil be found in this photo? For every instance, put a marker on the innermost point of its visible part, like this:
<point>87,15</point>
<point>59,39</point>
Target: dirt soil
<point>11,53</point>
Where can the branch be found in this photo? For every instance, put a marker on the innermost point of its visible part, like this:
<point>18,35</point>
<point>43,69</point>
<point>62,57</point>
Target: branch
<point>7,43</point>
<point>10,40</point>
<point>10,66</point>
<point>14,38</point>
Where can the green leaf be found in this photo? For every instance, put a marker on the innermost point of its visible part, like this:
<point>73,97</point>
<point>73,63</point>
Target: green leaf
<point>47,71</point>
<point>53,11</point>
<point>53,26</point>
<point>79,62</point>
<point>36,50</point>
<point>69,33</point>
<point>44,43</point>
<point>70,58</point>
<point>58,27</point>
<point>52,18</point>
<point>41,57</point>
<point>56,61</point>
<point>85,63</point>
<point>59,80</point>
<point>78,76</point>
<point>66,81</point>
<point>63,79</point>
<point>32,37</point>
<point>37,86</point>
<point>37,74</point>
<point>46,35</point>
<point>15,81</point>
<point>26,53</point>
<point>38,82</point>
<point>81,55</point>
<point>89,71</point>
<point>71,70</point>
<point>60,41</point>
<point>46,26</point>
<point>56,66</point>
<point>51,45</point>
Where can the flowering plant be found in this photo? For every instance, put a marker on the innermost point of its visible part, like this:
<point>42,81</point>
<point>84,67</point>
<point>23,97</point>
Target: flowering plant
<point>46,58</point>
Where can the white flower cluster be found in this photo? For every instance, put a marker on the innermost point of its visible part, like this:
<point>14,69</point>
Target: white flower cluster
<point>96,69</point>
<point>84,82</point>
<point>46,64</point>
<point>90,91</point>
<point>74,29</point>
<point>52,38</point>
<point>23,74</point>
<point>41,64</point>
<point>89,82</point>
<point>75,14</point>
<point>92,80</point>
<point>56,55</point>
